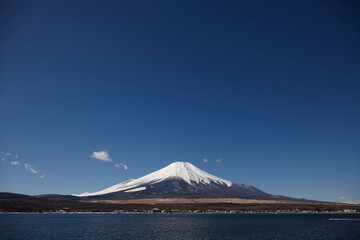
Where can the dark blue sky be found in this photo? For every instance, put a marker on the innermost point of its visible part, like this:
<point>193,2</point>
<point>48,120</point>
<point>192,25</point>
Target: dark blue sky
<point>272,88</point>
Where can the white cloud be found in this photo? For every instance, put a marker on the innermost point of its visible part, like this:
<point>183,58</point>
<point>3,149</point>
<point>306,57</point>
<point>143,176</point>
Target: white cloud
<point>16,156</point>
<point>28,167</point>
<point>14,163</point>
<point>7,154</point>
<point>102,156</point>
<point>42,176</point>
<point>348,201</point>
<point>123,165</point>
<point>218,160</point>
<point>3,159</point>
<point>205,160</point>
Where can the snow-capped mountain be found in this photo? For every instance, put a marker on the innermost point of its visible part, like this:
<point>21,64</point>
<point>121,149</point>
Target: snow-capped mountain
<point>178,170</point>
<point>180,180</point>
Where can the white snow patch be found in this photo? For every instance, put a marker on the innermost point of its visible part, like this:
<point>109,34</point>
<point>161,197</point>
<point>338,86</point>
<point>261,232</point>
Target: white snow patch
<point>136,189</point>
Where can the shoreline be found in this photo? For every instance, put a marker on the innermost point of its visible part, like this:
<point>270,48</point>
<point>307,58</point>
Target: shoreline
<point>190,212</point>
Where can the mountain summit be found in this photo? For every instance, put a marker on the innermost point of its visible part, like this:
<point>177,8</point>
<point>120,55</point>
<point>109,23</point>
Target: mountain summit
<point>179,180</point>
<point>182,171</point>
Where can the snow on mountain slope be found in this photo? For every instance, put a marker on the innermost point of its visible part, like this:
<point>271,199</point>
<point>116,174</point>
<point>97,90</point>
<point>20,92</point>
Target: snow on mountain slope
<point>178,170</point>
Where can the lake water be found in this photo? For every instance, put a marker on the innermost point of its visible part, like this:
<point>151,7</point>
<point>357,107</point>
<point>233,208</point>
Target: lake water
<point>178,226</point>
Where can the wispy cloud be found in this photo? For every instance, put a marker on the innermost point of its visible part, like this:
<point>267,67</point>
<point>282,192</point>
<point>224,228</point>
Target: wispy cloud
<point>14,163</point>
<point>102,156</point>
<point>347,200</point>
<point>5,155</point>
<point>13,158</point>
<point>28,167</point>
<point>218,160</point>
<point>121,165</point>
<point>205,160</point>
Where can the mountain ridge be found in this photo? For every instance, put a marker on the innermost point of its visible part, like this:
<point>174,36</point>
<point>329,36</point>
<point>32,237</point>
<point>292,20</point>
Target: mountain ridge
<point>180,179</point>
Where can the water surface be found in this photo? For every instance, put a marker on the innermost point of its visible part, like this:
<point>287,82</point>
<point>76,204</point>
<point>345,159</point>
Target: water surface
<point>178,226</point>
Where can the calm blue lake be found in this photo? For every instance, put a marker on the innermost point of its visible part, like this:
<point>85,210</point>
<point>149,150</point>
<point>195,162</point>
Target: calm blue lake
<point>178,226</point>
